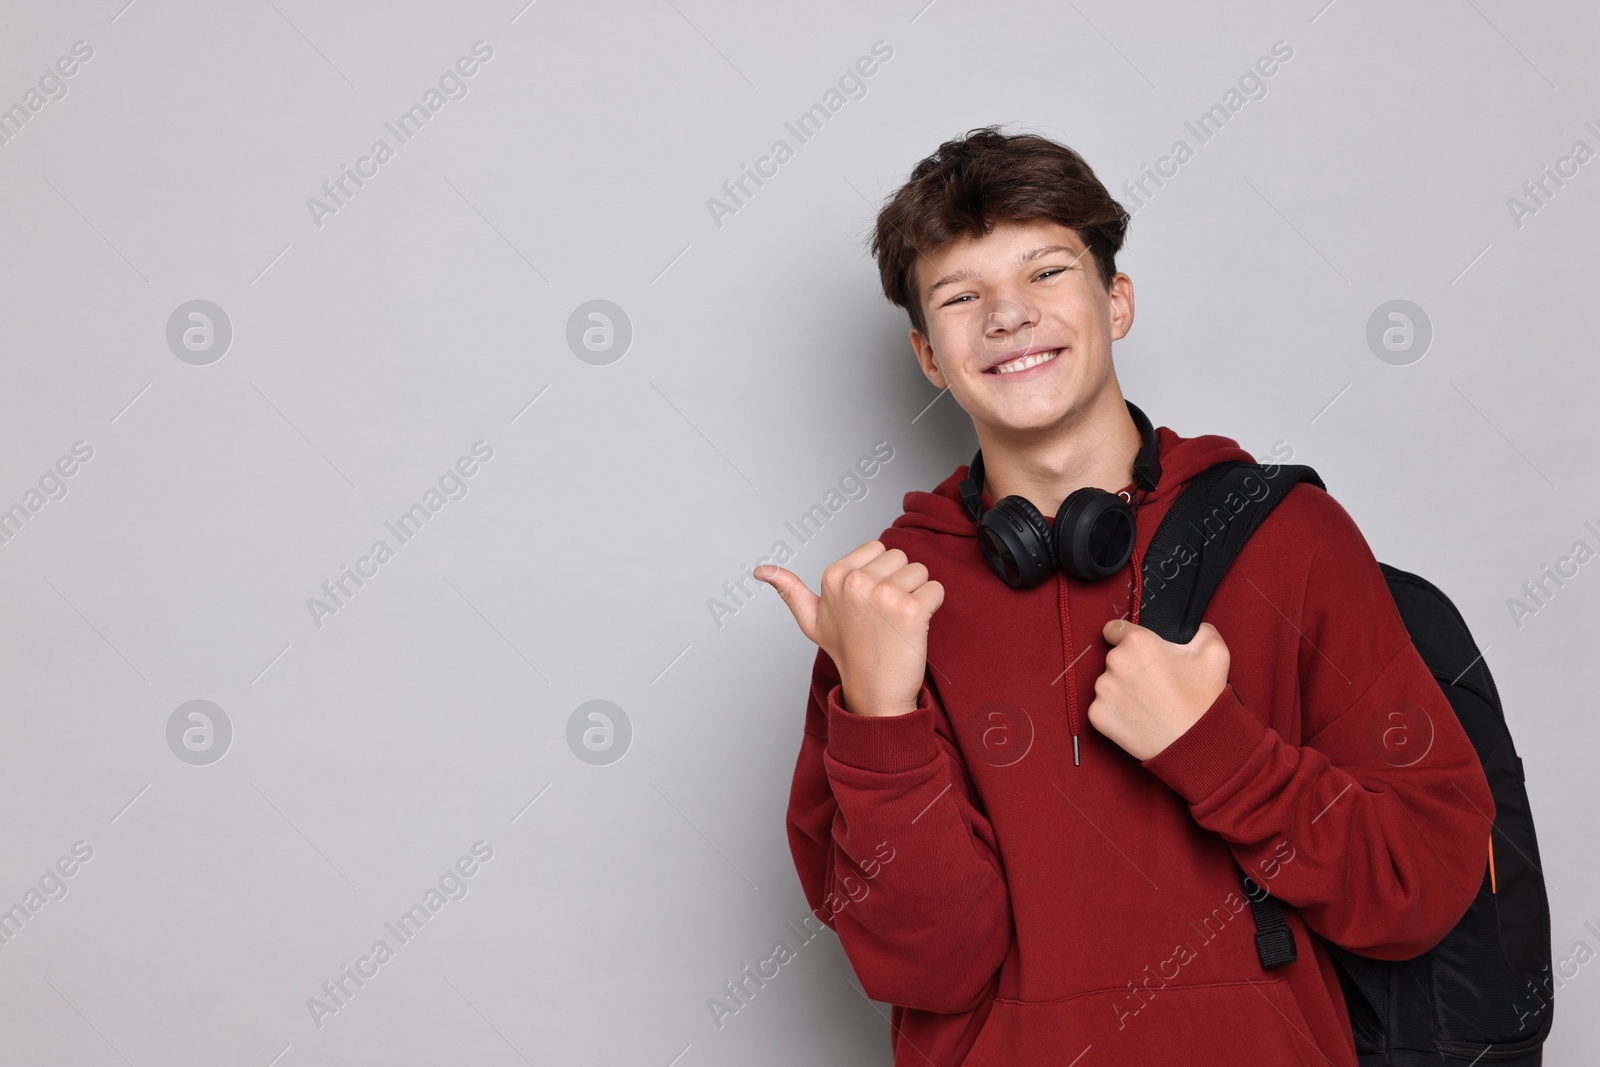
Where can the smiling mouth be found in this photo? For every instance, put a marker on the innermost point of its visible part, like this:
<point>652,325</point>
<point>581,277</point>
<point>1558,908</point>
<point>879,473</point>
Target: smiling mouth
<point>1025,362</point>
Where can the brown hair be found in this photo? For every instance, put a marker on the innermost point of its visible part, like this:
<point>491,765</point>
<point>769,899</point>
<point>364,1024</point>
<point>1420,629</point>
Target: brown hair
<point>988,177</point>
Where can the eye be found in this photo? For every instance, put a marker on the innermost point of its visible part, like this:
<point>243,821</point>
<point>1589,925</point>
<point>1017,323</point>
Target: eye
<point>1049,271</point>
<point>957,299</point>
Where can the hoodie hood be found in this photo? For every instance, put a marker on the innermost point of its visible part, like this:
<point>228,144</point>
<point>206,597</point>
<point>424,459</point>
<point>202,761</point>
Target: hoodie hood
<point>941,511</point>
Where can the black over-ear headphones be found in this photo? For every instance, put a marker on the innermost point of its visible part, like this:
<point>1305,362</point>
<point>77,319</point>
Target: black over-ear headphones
<point>1094,529</point>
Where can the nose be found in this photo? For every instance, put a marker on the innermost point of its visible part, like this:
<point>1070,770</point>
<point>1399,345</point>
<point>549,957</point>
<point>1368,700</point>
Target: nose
<point>1007,316</point>
<point>1004,325</point>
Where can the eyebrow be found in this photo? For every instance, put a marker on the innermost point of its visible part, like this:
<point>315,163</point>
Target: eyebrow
<point>967,274</point>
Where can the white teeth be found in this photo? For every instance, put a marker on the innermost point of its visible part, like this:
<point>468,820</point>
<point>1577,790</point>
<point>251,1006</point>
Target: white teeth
<point>1023,364</point>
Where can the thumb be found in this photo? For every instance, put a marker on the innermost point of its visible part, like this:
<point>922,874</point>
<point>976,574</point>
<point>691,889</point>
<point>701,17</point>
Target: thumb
<point>802,601</point>
<point>1117,629</point>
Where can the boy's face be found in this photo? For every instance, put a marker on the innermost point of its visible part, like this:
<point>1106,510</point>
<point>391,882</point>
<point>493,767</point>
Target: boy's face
<point>1024,288</point>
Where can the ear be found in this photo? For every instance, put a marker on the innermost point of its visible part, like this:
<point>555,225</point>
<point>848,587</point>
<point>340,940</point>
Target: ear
<point>925,357</point>
<point>1120,295</point>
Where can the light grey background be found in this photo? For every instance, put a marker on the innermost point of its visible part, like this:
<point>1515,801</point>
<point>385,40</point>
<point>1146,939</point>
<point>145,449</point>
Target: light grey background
<point>430,312</point>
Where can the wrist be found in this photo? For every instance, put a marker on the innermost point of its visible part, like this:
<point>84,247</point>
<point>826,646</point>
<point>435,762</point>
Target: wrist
<point>870,706</point>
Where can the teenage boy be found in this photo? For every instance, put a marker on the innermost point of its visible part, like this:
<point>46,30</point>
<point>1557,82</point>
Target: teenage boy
<point>1025,815</point>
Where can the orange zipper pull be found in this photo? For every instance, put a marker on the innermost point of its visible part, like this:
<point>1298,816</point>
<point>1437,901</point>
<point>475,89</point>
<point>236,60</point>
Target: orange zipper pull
<point>1491,863</point>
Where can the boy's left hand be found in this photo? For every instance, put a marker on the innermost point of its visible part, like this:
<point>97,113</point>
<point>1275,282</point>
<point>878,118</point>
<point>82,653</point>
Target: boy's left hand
<point>1152,689</point>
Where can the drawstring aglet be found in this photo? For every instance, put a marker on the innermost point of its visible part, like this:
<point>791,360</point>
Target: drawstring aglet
<point>1075,750</point>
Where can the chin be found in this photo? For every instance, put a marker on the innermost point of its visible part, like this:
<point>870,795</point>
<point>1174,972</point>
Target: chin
<point>1030,421</point>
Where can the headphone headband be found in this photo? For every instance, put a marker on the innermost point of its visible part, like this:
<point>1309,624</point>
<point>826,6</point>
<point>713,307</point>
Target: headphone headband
<point>1146,465</point>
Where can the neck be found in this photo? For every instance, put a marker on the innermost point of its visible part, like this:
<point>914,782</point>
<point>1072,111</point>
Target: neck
<point>1092,446</point>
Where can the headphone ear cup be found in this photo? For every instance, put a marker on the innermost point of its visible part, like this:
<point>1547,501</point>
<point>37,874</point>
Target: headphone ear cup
<point>1094,533</point>
<point>1016,542</point>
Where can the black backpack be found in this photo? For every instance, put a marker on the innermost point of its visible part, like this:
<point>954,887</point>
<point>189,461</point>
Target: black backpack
<point>1484,994</point>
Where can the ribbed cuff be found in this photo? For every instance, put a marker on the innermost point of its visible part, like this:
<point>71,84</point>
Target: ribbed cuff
<point>1211,751</point>
<point>881,742</point>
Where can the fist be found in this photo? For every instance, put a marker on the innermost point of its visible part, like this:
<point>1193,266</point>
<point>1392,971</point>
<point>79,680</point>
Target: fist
<point>1152,689</point>
<point>872,621</point>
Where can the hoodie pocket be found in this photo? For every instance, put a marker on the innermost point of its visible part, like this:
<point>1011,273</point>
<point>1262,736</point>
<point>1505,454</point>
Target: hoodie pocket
<point>1226,1024</point>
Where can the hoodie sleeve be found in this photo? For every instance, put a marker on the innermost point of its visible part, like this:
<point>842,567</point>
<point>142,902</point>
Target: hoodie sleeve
<point>1376,827</point>
<point>894,855</point>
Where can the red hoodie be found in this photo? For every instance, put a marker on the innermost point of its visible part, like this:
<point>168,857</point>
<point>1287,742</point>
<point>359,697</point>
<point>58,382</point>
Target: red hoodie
<point>1017,909</point>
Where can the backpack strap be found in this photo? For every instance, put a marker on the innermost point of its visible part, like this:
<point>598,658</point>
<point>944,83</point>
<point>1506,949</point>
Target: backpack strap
<point>1199,537</point>
<point>1202,533</point>
<point>1274,940</point>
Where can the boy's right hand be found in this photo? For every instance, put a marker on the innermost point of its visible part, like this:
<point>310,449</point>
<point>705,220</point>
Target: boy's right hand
<point>871,619</point>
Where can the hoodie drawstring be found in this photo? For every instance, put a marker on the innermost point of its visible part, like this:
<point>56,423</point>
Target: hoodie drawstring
<point>1072,689</point>
<point>1066,633</point>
